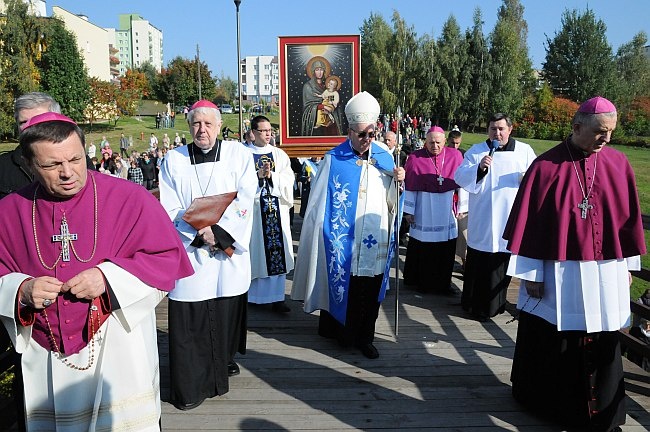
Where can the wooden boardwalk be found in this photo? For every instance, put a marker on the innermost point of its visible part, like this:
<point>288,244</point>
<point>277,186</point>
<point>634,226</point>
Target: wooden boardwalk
<point>443,372</point>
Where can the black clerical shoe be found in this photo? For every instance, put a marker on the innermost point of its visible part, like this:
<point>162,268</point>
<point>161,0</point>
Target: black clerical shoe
<point>280,307</point>
<point>369,351</point>
<point>233,369</point>
<point>190,406</point>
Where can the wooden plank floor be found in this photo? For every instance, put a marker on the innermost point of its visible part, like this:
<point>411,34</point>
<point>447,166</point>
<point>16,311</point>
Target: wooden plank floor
<point>443,372</point>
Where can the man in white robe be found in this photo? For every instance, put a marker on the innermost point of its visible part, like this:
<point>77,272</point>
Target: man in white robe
<point>78,303</point>
<point>207,311</point>
<point>271,245</point>
<point>347,236</point>
<point>491,172</point>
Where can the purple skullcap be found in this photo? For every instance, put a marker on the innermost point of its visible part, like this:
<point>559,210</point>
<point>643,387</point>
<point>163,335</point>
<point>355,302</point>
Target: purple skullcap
<point>597,105</point>
<point>47,117</point>
<point>203,104</point>
<point>437,129</point>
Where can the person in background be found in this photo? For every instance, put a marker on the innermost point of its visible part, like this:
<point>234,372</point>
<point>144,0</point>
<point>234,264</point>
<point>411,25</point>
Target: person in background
<point>271,246</point>
<point>461,201</point>
<point>307,176</point>
<point>429,210</point>
<point>135,173</point>
<point>490,172</point>
<point>348,234</point>
<point>207,311</point>
<point>575,232</point>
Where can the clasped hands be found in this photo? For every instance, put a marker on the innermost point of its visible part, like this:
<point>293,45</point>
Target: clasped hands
<point>87,285</point>
<point>265,171</point>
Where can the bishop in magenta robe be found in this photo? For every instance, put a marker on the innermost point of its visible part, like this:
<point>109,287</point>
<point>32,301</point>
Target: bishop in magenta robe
<point>88,362</point>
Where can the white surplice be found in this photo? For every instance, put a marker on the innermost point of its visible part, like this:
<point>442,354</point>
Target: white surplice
<point>591,296</point>
<point>180,182</point>
<point>434,217</point>
<point>121,390</point>
<point>491,198</point>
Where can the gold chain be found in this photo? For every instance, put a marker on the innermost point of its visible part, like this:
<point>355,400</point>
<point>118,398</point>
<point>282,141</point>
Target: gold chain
<point>74,251</point>
<point>91,356</point>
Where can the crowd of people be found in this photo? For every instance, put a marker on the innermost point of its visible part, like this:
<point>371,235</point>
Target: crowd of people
<point>566,223</point>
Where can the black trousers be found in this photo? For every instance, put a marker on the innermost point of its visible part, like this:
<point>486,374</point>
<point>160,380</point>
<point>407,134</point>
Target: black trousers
<point>361,314</point>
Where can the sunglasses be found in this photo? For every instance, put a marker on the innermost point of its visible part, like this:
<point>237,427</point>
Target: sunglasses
<point>363,134</point>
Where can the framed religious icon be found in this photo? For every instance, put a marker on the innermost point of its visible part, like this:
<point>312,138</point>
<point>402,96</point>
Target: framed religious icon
<point>318,75</point>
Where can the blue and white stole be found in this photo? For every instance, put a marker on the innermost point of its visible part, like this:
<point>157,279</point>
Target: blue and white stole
<point>311,168</point>
<point>271,220</point>
<point>339,221</point>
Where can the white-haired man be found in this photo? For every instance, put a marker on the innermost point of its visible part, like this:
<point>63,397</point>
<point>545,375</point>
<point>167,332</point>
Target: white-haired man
<point>575,232</point>
<point>347,235</point>
<point>207,311</point>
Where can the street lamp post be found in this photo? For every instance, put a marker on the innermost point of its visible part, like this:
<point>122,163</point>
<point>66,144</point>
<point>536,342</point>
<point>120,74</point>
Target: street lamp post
<point>241,120</point>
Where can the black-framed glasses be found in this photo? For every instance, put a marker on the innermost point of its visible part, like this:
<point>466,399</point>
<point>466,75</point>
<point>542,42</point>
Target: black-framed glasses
<point>363,134</point>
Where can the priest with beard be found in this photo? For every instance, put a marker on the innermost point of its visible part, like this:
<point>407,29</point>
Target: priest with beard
<point>575,232</point>
<point>79,283</point>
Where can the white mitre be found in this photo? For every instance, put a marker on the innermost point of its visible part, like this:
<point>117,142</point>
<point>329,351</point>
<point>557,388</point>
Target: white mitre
<point>362,108</point>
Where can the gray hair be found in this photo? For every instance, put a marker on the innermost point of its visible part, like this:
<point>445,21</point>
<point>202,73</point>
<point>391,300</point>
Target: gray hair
<point>588,118</point>
<point>203,110</point>
<point>34,100</point>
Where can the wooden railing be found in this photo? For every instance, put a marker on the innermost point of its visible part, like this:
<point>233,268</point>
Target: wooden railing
<point>630,343</point>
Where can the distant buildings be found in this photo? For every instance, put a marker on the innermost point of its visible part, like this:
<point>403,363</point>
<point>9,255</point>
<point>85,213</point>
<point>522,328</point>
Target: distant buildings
<point>108,52</point>
<point>137,42</point>
<point>260,79</point>
<point>93,42</point>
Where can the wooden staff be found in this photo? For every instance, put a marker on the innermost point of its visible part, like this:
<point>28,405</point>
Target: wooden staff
<point>398,149</point>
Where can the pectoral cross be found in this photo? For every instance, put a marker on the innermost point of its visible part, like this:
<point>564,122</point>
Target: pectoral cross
<point>440,180</point>
<point>584,206</point>
<point>65,238</point>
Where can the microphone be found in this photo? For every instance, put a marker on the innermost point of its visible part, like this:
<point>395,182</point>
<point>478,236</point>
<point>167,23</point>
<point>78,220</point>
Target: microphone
<point>493,146</point>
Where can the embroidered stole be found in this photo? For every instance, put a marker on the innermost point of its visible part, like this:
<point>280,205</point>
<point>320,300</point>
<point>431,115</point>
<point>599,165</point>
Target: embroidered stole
<point>271,221</point>
<point>339,222</point>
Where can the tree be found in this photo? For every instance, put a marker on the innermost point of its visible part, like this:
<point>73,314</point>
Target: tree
<point>151,75</point>
<point>178,83</point>
<point>404,57</point>
<point>579,62</point>
<point>102,103</point>
<point>20,48</point>
<point>225,90</point>
<point>378,75</point>
<point>428,75</point>
<point>63,72</point>
<point>454,83</point>
<point>133,87</point>
<point>478,65</point>
<point>633,70</point>
<point>510,67</point>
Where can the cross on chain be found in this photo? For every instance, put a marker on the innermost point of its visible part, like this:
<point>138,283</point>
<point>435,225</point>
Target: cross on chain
<point>370,241</point>
<point>440,180</point>
<point>584,206</point>
<point>65,238</point>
